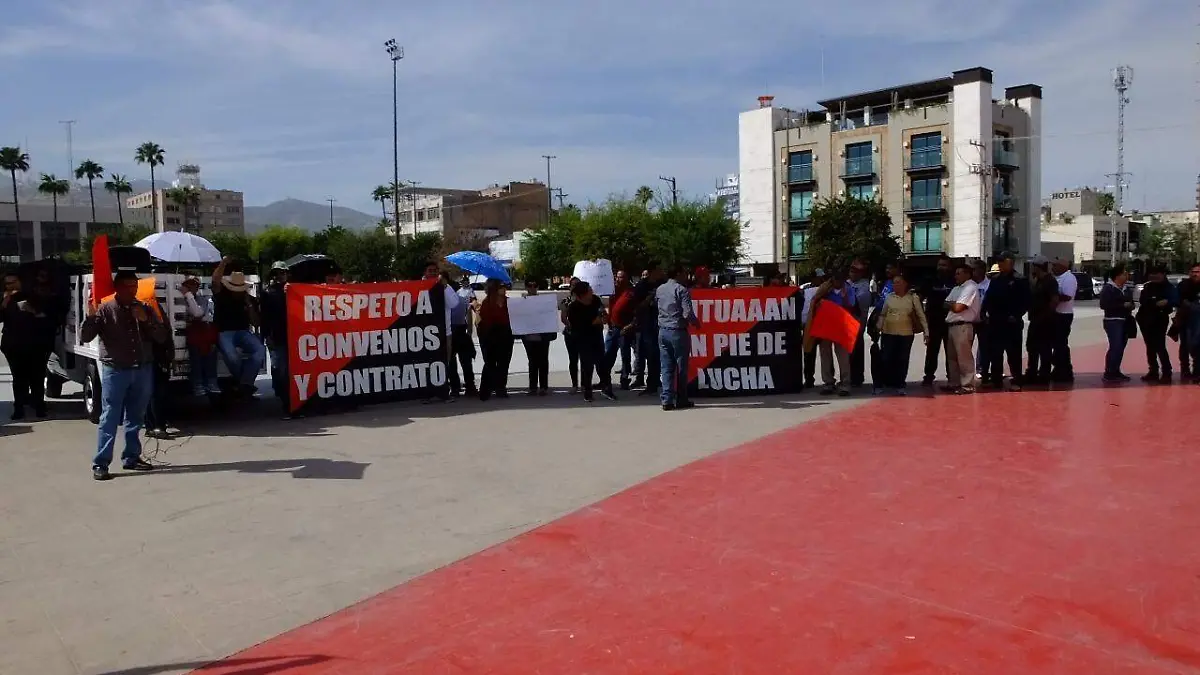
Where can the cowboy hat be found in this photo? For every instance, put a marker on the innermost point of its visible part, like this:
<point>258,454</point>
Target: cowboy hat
<point>236,282</point>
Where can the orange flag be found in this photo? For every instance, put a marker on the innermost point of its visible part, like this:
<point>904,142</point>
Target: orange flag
<point>832,322</point>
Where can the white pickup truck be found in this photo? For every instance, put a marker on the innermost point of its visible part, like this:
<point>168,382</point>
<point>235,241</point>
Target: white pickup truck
<point>79,362</point>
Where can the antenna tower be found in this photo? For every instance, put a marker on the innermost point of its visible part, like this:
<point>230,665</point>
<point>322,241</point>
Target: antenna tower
<point>1122,81</point>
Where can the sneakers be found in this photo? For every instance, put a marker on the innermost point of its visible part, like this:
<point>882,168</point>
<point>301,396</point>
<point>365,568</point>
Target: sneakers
<point>100,473</point>
<point>608,393</point>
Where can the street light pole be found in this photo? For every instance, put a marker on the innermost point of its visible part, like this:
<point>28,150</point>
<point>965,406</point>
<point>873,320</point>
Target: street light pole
<point>395,53</point>
<point>549,190</point>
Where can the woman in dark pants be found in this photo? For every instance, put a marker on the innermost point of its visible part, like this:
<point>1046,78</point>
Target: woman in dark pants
<point>586,318</point>
<point>537,351</point>
<point>20,346</point>
<point>495,341</point>
<point>569,339</point>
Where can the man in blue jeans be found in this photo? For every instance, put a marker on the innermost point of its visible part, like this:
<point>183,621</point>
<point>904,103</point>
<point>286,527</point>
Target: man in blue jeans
<point>234,312</point>
<point>618,341</point>
<point>675,314</point>
<point>127,329</point>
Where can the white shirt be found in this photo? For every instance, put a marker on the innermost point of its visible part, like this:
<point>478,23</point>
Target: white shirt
<point>452,301</point>
<point>984,286</point>
<point>1068,285</point>
<point>806,311</point>
<point>965,294</point>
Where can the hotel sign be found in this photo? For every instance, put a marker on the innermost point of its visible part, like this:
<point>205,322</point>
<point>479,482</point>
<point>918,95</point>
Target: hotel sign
<point>1074,194</point>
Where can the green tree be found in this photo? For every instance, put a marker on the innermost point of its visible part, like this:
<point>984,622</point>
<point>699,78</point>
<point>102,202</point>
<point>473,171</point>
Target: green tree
<point>694,233</point>
<point>91,171</point>
<point>549,251</point>
<point>152,155</point>
<point>279,242</point>
<point>55,187</point>
<point>644,195</point>
<point>363,256</point>
<point>1184,240</point>
<point>615,231</point>
<point>324,241</point>
<point>234,244</point>
<point>845,228</point>
<point>189,199</point>
<point>13,160</point>
<point>416,253</point>
<point>382,194</point>
<point>118,185</point>
<point>1106,202</point>
<point>1156,244</point>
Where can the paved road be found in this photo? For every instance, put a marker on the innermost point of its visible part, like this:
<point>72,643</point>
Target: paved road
<point>255,526</point>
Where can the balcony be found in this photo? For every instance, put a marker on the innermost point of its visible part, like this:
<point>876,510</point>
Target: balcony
<point>1005,159</point>
<point>801,173</point>
<point>924,204</point>
<point>924,160</point>
<point>1005,203</point>
<point>859,167</point>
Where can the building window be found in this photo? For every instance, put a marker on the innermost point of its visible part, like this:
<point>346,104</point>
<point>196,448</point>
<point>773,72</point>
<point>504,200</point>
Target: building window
<point>801,205</point>
<point>926,150</point>
<point>172,221</point>
<point>926,236</point>
<point>234,209</point>
<point>926,194</point>
<point>800,166</point>
<point>798,240</point>
<point>1103,241</point>
<point>865,191</point>
<point>859,159</point>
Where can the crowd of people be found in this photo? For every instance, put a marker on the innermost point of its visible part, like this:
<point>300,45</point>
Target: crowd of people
<point>973,314</point>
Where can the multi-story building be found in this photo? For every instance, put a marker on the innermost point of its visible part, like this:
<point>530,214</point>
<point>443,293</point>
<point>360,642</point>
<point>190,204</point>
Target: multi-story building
<point>41,234</point>
<point>959,170</point>
<point>1075,226</point>
<point>217,210</point>
<point>470,217</point>
<point>727,195</point>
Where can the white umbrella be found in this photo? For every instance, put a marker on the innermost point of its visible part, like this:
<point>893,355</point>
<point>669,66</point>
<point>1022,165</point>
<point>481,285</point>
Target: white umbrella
<point>180,247</point>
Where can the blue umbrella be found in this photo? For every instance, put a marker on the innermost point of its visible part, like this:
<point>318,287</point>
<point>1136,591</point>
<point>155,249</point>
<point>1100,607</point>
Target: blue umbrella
<point>480,263</point>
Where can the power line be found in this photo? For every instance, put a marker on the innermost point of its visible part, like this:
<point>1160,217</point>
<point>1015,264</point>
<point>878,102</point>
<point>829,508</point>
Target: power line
<point>674,190</point>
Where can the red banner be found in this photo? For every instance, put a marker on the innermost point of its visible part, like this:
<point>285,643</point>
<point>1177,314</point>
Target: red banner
<point>832,322</point>
<point>365,342</point>
<point>749,341</point>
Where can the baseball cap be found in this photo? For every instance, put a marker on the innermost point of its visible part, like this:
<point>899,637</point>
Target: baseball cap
<point>279,265</point>
<point>1039,261</point>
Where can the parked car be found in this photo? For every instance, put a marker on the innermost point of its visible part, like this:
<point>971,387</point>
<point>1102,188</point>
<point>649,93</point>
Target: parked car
<point>1085,289</point>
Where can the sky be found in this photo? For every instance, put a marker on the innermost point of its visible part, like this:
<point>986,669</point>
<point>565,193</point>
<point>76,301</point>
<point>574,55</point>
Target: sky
<point>283,98</point>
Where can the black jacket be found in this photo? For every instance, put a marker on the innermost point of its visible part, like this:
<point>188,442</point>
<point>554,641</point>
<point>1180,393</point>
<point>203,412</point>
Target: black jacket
<point>274,314</point>
<point>1113,299</point>
<point>935,294</point>
<point>1007,297</point>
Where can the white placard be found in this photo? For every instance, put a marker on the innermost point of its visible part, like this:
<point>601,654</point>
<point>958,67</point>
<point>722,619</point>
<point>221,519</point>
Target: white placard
<point>598,273</point>
<point>534,314</point>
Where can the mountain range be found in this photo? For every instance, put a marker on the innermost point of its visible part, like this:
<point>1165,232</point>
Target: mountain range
<point>306,215</point>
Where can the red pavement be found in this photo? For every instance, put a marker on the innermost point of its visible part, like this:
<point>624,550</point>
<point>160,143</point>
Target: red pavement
<point>1043,532</point>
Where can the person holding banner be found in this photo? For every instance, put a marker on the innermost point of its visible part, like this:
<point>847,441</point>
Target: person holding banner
<point>675,314</point>
<point>537,351</point>
<point>462,347</point>
<point>586,318</point>
<point>495,340</point>
<point>835,290</point>
<point>568,339</point>
<point>900,320</point>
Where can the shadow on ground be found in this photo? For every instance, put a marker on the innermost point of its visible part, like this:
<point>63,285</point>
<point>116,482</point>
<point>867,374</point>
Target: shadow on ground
<point>262,666</point>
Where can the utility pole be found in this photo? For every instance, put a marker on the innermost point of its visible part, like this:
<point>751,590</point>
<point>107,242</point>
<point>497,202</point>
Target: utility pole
<point>395,53</point>
<point>1122,81</point>
<point>414,185</point>
<point>674,191</point>
<point>331,200</point>
<point>549,188</point>
<point>558,192</point>
<point>70,124</point>
<point>986,173</point>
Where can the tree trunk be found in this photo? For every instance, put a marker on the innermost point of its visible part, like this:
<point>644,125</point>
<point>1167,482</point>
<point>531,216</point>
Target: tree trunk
<point>17,209</point>
<point>120,211</point>
<point>54,200</point>
<point>153,204</point>
<point>92,198</point>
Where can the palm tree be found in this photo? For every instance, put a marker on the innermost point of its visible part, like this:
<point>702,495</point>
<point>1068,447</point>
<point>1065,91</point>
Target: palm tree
<point>383,194</point>
<point>644,195</point>
<point>119,185</point>
<point>152,154</point>
<point>13,160</point>
<point>91,171</point>
<point>55,187</point>
<point>189,199</point>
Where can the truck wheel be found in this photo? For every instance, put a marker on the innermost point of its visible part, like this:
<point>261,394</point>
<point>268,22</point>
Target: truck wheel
<point>93,393</point>
<point>54,385</point>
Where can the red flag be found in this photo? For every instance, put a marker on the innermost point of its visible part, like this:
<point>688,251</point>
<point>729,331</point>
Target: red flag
<point>832,322</point>
<point>102,274</point>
